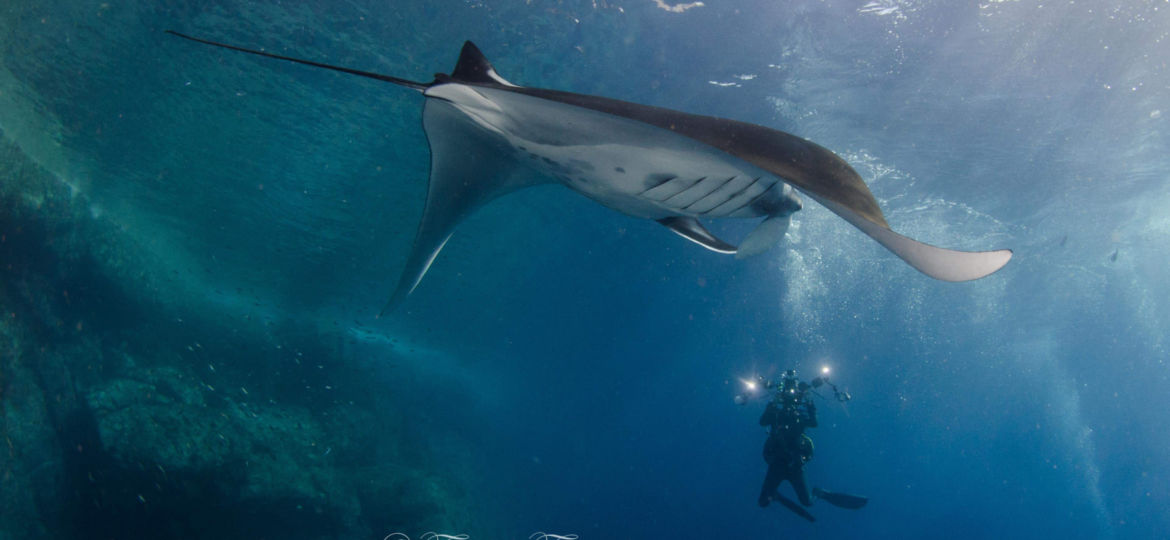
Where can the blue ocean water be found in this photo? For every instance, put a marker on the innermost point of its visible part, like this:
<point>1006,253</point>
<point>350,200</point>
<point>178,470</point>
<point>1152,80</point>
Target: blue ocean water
<point>203,215</point>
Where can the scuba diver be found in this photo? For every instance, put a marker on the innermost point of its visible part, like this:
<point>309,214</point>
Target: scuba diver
<point>790,411</point>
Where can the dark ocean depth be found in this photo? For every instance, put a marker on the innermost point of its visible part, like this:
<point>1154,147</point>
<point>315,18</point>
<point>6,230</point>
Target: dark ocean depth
<point>195,245</point>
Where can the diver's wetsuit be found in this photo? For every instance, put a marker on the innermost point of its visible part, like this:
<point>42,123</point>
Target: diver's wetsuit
<point>783,451</point>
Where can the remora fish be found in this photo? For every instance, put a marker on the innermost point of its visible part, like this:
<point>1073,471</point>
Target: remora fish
<point>488,136</point>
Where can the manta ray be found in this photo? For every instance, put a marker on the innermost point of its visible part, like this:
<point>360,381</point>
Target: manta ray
<point>489,137</point>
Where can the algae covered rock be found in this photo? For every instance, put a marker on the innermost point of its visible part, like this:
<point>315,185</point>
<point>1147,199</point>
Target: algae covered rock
<point>111,430</point>
<point>254,458</point>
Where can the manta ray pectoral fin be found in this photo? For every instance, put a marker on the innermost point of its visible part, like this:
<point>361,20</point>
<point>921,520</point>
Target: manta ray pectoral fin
<point>768,233</point>
<point>936,262</point>
<point>469,167</point>
<point>691,229</point>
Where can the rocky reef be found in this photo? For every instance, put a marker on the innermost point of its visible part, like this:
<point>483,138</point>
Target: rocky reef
<point>127,413</point>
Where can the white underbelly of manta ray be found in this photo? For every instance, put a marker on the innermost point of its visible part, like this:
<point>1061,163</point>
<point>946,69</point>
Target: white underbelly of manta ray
<point>648,162</point>
<point>653,184</point>
<point>634,168</point>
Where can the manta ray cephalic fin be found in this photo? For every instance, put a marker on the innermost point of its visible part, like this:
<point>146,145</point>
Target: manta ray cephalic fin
<point>691,229</point>
<point>470,166</point>
<point>767,234</point>
<point>939,263</point>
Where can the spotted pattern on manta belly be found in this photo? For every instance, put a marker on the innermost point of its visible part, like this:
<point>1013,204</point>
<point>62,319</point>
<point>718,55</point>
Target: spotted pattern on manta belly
<point>647,162</point>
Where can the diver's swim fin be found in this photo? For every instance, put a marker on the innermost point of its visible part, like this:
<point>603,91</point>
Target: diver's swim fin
<point>840,500</point>
<point>800,511</point>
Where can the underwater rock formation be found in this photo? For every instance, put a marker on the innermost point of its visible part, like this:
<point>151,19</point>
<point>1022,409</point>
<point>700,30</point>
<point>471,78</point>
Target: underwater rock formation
<point>114,427</point>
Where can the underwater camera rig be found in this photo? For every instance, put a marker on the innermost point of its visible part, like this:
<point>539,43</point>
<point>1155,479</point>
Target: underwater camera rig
<point>789,389</point>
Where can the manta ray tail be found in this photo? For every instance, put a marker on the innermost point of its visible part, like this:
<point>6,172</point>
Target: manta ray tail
<point>466,166</point>
<point>401,82</point>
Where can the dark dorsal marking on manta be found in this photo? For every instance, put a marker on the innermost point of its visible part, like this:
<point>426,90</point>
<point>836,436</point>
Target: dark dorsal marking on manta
<point>468,168</point>
<point>473,67</point>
